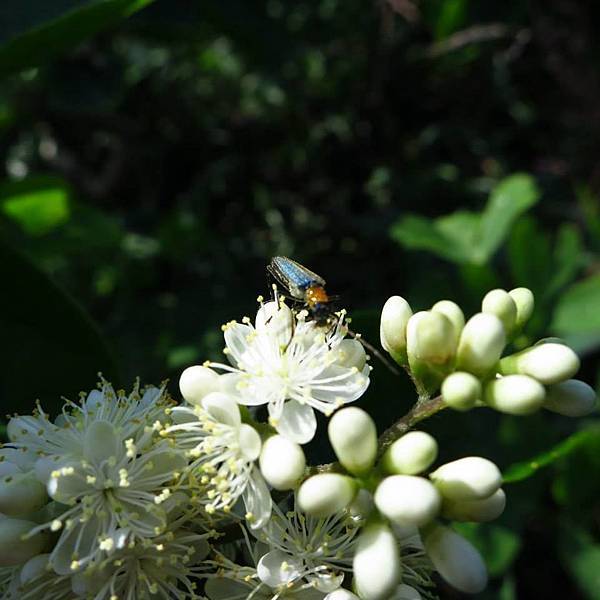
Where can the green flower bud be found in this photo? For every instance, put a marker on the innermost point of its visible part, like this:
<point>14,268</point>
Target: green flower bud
<point>196,382</point>
<point>470,478</point>
<point>571,398</point>
<point>21,493</point>
<point>407,500</point>
<point>392,330</point>
<point>376,564</point>
<point>501,304</point>
<point>453,312</point>
<point>479,511</point>
<point>414,452</point>
<point>461,390</point>
<point>16,547</point>
<point>525,303</point>
<point>282,462</point>
<point>548,363</point>
<point>514,394</point>
<point>430,338</point>
<point>456,560</point>
<point>481,344</point>
<point>326,494</point>
<point>353,435</point>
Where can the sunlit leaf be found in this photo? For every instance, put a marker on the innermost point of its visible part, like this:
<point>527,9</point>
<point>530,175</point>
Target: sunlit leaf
<point>578,308</point>
<point>581,556</point>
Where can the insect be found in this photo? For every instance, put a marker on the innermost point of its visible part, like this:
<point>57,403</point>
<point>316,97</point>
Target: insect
<point>305,286</point>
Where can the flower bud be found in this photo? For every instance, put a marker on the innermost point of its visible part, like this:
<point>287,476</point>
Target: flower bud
<point>430,338</point>
<point>16,547</point>
<point>362,505</point>
<point>376,565</point>
<point>282,462</point>
<point>453,312</point>
<point>325,494</point>
<point>571,398</point>
<point>353,435</point>
<point>479,511</point>
<point>456,560</point>
<point>461,390</point>
<point>21,493</point>
<point>341,594</point>
<point>351,353</point>
<point>470,478</point>
<point>501,304</point>
<point>514,394</point>
<point>407,500</point>
<point>414,452</point>
<point>481,344</point>
<point>405,592</point>
<point>548,363</point>
<point>523,299</point>
<point>392,330</point>
<point>196,382</point>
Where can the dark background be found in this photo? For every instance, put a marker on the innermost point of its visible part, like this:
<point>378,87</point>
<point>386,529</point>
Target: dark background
<point>155,155</point>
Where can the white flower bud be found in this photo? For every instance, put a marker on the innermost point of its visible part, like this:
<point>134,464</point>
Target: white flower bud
<point>514,394</point>
<point>430,338</point>
<point>405,592</point>
<point>325,494</point>
<point>197,382</point>
<point>21,493</point>
<point>353,435</point>
<point>469,478</point>
<point>15,548</point>
<point>282,462</point>
<point>407,500</point>
<point>456,560</point>
<point>461,390</point>
<point>414,452</point>
<point>351,353</point>
<point>341,594</point>
<point>523,298</point>
<point>548,363</point>
<point>571,398</point>
<point>453,312</point>
<point>392,330</point>
<point>501,304</point>
<point>481,344</point>
<point>479,511</point>
<point>376,565</point>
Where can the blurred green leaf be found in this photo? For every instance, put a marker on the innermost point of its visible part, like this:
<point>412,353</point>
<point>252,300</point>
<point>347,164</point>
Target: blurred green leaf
<point>498,545</point>
<point>577,309</point>
<point>37,204</point>
<point>50,347</point>
<point>523,470</point>
<point>50,39</point>
<point>466,237</point>
<point>581,556</point>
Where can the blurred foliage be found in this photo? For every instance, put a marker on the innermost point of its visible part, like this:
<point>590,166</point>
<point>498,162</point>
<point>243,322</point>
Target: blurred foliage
<point>151,165</point>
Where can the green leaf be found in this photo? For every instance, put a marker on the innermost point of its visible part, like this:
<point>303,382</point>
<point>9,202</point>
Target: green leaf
<point>581,557</point>
<point>510,198</point>
<point>50,39</point>
<point>577,310</point>
<point>38,205</point>
<point>525,469</point>
<point>50,347</point>
<point>467,237</point>
<point>498,545</point>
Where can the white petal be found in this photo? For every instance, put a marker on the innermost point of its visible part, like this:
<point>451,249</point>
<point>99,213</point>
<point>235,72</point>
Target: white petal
<point>297,422</point>
<point>227,589</point>
<point>223,408</point>
<point>100,442</point>
<point>250,442</point>
<point>257,500</point>
<point>276,568</point>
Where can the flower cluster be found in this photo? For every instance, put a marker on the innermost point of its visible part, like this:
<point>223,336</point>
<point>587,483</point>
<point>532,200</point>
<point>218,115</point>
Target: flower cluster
<point>122,496</point>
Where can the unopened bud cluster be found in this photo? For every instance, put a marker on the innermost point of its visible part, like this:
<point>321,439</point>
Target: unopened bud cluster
<point>126,496</point>
<point>466,360</point>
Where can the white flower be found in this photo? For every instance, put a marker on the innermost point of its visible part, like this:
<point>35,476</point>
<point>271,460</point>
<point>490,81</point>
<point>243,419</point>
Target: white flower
<point>307,550</point>
<point>293,366</point>
<point>222,452</point>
